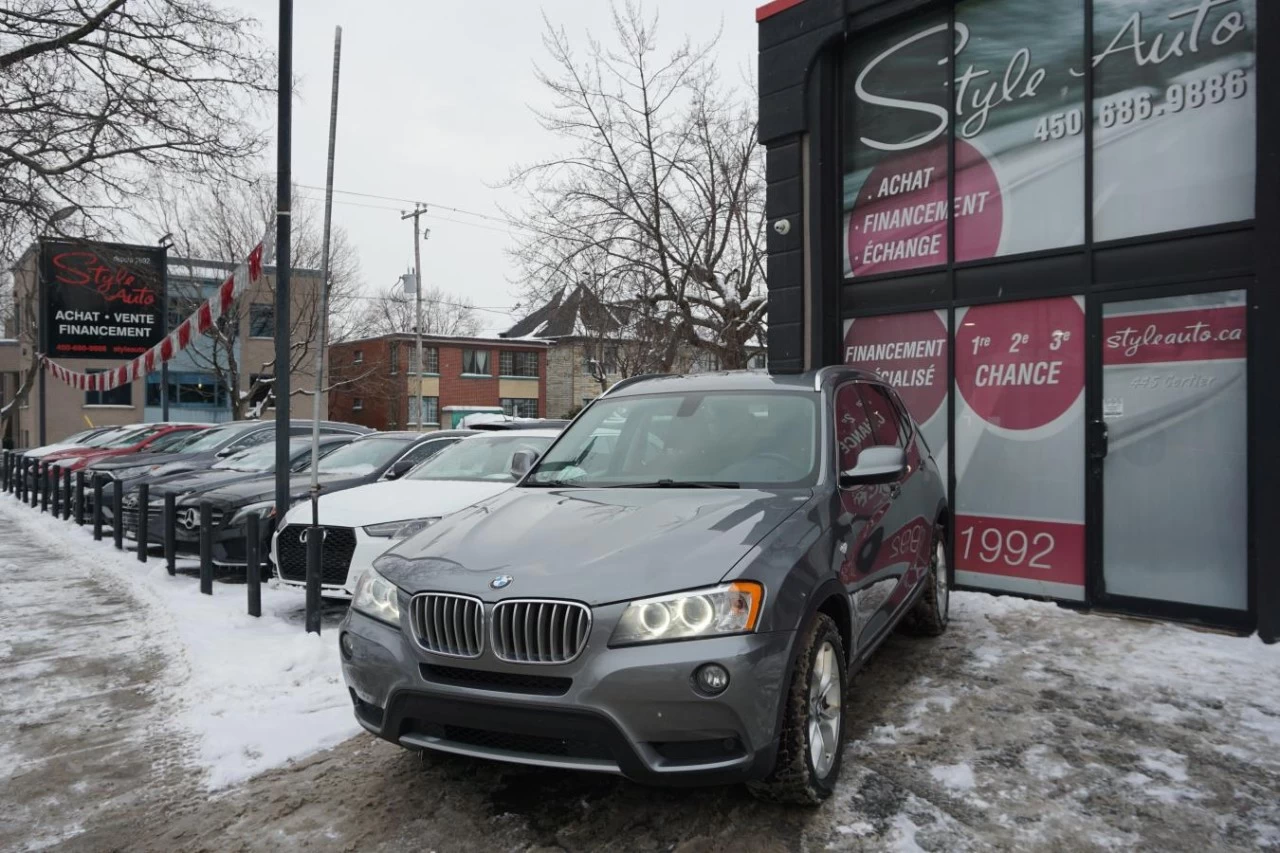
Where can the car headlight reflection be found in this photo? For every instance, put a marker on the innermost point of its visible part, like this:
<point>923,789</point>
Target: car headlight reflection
<point>729,609</point>
<point>377,598</point>
<point>263,509</point>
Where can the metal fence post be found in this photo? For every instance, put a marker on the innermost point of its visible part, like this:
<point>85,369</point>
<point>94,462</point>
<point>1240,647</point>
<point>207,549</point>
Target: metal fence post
<point>55,497</point>
<point>97,509</point>
<point>315,541</point>
<point>37,484</point>
<point>4,472</point>
<point>252,567</point>
<point>206,547</point>
<point>44,485</point>
<point>144,522</point>
<point>66,494</point>
<point>170,532</point>
<point>79,500</point>
<point>117,510</point>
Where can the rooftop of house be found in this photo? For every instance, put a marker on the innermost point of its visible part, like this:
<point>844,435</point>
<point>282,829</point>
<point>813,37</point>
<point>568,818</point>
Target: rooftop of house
<point>436,340</point>
<point>576,313</point>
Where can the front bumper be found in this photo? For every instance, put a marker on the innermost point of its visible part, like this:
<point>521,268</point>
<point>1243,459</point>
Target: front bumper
<point>228,539</point>
<point>631,711</point>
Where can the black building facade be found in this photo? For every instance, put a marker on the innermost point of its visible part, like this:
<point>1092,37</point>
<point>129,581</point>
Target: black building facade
<point>1055,227</point>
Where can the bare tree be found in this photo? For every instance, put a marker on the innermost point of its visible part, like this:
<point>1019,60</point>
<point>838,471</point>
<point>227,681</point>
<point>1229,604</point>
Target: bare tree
<point>222,226</point>
<point>662,177</point>
<point>392,312</point>
<point>97,96</point>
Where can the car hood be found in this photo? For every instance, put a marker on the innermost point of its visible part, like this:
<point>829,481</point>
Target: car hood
<point>199,482</point>
<point>128,460</point>
<point>397,500</point>
<point>262,487</point>
<point>592,545</point>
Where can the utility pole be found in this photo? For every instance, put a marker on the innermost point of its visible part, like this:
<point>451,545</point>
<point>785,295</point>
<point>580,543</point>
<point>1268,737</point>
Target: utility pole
<point>284,188</point>
<point>418,210</point>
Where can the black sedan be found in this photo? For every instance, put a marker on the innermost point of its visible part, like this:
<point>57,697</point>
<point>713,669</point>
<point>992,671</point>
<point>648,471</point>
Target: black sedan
<point>378,456</point>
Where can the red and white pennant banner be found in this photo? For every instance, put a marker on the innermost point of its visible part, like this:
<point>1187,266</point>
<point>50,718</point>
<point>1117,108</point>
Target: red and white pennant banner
<point>246,274</point>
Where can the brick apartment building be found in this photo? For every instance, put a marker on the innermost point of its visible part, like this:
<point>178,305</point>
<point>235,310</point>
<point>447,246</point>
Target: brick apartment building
<point>373,380</point>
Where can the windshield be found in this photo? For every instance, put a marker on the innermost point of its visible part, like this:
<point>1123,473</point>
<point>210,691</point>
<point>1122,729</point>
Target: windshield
<point>758,439</point>
<point>363,457</point>
<point>170,440</point>
<point>211,440</point>
<point>109,438</point>
<point>259,459</point>
<point>479,458</point>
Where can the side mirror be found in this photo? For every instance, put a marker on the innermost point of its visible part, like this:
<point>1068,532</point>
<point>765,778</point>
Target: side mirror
<point>399,469</point>
<point>876,465</point>
<point>224,453</point>
<point>521,462</point>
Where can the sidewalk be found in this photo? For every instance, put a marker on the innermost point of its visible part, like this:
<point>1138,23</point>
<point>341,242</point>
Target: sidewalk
<point>82,735</point>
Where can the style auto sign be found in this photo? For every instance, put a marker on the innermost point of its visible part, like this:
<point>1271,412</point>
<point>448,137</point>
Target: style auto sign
<point>102,300</point>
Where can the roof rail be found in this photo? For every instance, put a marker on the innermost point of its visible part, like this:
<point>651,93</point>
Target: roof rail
<point>631,380</point>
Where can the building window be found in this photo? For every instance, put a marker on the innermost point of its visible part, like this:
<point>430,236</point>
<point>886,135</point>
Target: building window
<point>518,364</point>
<point>430,360</point>
<point>475,362</point>
<point>430,411</point>
<point>190,390</point>
<point>759,361</point>
<point>262,320</point>
<point>393,355</point>
<point>357,405</point>
<point>519,407</point>
<point>122,396</point>
<point>358,357</point>
<point>606,355</point>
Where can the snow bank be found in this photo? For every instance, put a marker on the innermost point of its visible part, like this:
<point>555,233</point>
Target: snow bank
<point>252,693</point>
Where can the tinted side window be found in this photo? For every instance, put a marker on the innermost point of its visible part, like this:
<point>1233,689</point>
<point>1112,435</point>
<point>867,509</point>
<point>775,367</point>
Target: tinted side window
<point>883,416</point>
<point>854,431</point>
<point>426,450</point>
<point>253,439</point>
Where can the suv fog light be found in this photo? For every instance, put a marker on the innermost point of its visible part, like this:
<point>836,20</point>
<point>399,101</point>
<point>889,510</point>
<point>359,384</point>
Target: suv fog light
<point>711,679</point>
<point>347,645</point>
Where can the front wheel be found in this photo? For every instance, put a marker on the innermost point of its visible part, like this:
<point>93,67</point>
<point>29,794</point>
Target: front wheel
<point>812,739</point>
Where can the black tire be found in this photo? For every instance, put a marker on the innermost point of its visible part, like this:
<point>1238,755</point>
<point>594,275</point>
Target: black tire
<point>794,778</point>
<point>928,617</point>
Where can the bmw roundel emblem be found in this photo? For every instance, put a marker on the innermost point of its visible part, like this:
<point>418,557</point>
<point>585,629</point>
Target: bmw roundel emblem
<point>501,582</point>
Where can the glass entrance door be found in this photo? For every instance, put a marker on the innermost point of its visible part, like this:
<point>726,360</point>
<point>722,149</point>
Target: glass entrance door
<point>1173,438</point>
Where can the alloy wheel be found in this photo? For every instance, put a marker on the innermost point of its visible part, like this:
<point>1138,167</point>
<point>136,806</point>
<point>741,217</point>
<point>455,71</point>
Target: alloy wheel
<point>824,710</point>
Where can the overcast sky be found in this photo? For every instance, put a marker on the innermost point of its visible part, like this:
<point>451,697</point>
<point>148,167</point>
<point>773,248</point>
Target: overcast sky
<point>434,106</point>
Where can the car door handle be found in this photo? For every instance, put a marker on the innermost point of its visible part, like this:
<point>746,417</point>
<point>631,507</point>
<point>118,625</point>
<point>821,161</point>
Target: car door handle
<point>894,490</point>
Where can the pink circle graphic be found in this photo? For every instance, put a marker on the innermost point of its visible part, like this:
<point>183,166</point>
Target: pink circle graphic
<point>899,220</point>
<point>909,351</point>
<point>1020,365</point>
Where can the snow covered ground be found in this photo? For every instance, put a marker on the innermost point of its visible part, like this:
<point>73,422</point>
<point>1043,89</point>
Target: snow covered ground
<point>248,693</point>
<point>125,696</point>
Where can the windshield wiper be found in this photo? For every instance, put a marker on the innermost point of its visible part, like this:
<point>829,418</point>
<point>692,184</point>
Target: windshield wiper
<point>677,484</point>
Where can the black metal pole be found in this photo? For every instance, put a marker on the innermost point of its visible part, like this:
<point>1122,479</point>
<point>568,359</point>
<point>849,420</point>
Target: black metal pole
<point>206,548</point>
<point>66,495</point>
<point>284,187</point>
<point>171,533</point>
<point>164,314</point>
<point>55,491</point>
<point>252,567</point>
<point>315,540</point>
<point>97,508</point>
<point>117,510</point>
<point>79,501</point>
<point>144,522</point>
<point>45,471</point>
<point>24,471</point>
<point>4,472</point>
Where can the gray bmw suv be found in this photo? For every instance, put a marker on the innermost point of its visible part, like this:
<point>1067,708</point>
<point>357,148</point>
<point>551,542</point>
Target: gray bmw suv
<point>678,590</point>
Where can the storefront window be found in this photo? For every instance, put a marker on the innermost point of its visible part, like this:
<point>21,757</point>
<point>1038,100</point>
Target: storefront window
<point>895,148</point>
<point>1175,119</point>
<point>1019,454</point>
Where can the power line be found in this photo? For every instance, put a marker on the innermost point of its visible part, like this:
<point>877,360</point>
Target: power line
<point>428,204</point>
<point>427,215</point>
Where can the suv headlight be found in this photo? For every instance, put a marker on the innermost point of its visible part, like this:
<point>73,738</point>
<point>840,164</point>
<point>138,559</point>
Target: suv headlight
<point>399,529</point>
<point>262,509</point>
<point>378,598</point>
<point>730,609</point>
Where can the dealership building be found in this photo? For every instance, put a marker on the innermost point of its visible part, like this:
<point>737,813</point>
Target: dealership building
<point>1053,227</point>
